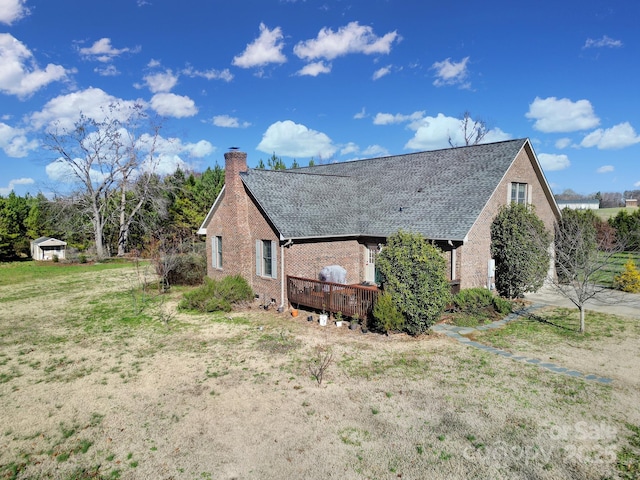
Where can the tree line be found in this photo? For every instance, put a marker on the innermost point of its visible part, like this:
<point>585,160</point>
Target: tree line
<point>175,211</point>
<point>605,199</point>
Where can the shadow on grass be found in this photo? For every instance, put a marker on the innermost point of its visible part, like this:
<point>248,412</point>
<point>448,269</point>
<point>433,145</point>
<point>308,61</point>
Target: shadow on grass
<point>544,321</point>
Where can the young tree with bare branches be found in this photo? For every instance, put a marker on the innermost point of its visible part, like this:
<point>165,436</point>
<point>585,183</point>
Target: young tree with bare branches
<point>583,252</point>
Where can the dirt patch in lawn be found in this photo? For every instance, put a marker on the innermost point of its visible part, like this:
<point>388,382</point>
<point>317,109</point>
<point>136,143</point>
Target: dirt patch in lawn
<point>232,397</point>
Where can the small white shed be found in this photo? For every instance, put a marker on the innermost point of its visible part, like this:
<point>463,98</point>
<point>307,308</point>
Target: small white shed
<point>44,248</point>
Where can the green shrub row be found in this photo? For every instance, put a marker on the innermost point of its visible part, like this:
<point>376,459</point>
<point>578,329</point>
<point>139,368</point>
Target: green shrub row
<point>474,299</point>
<point>217,295</point>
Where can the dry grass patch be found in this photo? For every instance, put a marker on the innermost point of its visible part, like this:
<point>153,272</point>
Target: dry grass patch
<point>90,390</point>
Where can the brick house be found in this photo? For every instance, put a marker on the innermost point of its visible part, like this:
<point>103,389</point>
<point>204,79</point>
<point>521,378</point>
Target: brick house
<point>267,224</point>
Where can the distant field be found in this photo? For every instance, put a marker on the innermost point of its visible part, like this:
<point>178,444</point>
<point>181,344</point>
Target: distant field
<point>615,266</point>
<point>606,213</point>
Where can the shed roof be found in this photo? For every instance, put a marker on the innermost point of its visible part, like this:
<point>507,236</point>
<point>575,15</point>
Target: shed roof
<point>49,242</point>
<point>439,194</point>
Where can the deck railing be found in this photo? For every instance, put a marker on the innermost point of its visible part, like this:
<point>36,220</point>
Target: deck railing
<point>331,297</point>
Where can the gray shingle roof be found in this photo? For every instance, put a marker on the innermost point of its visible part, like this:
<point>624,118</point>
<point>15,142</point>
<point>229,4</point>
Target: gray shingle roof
<point>438,193</point>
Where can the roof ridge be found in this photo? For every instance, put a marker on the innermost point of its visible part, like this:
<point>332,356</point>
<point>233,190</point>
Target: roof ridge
<point>291,171</point>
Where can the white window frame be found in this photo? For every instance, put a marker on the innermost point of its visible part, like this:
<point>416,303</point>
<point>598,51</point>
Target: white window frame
<point>261,265</point>
<point>216,252</point>
<point>515,187</point>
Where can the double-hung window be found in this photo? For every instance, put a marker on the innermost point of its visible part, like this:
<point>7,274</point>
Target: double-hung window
<point>519,193</point>
<point>216,252</point>
<point>266,258</point>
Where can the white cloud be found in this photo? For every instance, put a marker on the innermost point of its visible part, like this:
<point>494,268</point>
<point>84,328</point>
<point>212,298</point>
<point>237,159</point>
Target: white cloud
<point>229,122</point>
<point>563,143</point>
<point>295,140</point>
<point>553,162</point>
<point>605,41</point>
<point>200,149</point>
<point>451,73</point>
<point>619,136</point>
<point>375,151</point>
<point>172,105</point>
<point>174,146</point>
<point>60,171</point>
<point>353,38</point>
<point>14,142</point>
<point>349,148</point>
<point>63,111</point>
<point>12,10</point>
<point>161,81</point>
<point>314,69</point>
<point>267,48</point>
<point>19,72</point>
<point>212,74</point>
<point>16,181</point>
<point>389,118</point>
<point>381,72</point>
<point>108,71</point>
<point>435,132</point>
<point>103,51</point>
<point>562,115</point>
<point>637,184</point>
<point>361,114</point>
<point>605,169</point>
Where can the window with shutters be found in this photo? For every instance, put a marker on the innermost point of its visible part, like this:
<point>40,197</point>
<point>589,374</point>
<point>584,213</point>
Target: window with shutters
<point>519,193</point>
<point>266,253</point>
<point>216,252</point>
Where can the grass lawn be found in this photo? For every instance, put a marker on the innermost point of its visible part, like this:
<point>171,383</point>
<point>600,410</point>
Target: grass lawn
<point>103,378</point>
<point>615,266</point>
<point>607,213</point>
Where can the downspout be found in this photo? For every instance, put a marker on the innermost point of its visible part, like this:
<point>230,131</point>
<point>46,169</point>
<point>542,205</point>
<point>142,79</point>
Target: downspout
<point>287,244</point>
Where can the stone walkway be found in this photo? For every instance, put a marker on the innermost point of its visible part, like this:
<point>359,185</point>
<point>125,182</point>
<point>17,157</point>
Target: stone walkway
<point>458,333</point>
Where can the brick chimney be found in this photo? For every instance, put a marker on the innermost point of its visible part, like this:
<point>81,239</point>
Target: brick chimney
<point>236,234</point>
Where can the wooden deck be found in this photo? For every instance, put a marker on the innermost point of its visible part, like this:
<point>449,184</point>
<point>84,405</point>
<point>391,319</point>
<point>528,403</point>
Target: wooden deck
<point>332,297</point>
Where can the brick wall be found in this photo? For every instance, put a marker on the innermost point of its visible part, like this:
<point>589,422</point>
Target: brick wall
<point>475,254</point>
<point>239,221</point>
<point>308,258</point>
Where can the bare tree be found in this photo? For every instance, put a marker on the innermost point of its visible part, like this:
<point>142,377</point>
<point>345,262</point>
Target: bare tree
<point>91,153</point>
<point>137,187</point>
<point>583,253</point>
<point>473,131</point>
<point>104,157</point>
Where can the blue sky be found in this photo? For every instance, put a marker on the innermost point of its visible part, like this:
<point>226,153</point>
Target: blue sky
<point>331,80</point>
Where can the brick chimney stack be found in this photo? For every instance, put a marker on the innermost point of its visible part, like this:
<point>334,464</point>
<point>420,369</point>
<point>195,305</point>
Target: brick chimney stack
<point>239,254</point>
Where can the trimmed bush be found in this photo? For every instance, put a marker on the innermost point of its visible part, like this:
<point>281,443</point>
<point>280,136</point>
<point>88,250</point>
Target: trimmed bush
<point>629,279</point>
<point>217,296</point>
<point>386,317</point>
<point>519,245</point>
<point>413,272</point>
<point>475,299</point>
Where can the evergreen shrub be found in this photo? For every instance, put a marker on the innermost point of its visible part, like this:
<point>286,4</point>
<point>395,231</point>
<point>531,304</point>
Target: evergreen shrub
<point>629,279</point>
<point>472,300</point>
<point>216,296</point>
<point>386,316</point>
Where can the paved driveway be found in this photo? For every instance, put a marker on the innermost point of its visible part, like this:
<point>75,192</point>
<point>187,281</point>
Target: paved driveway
<point>612,301</point>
